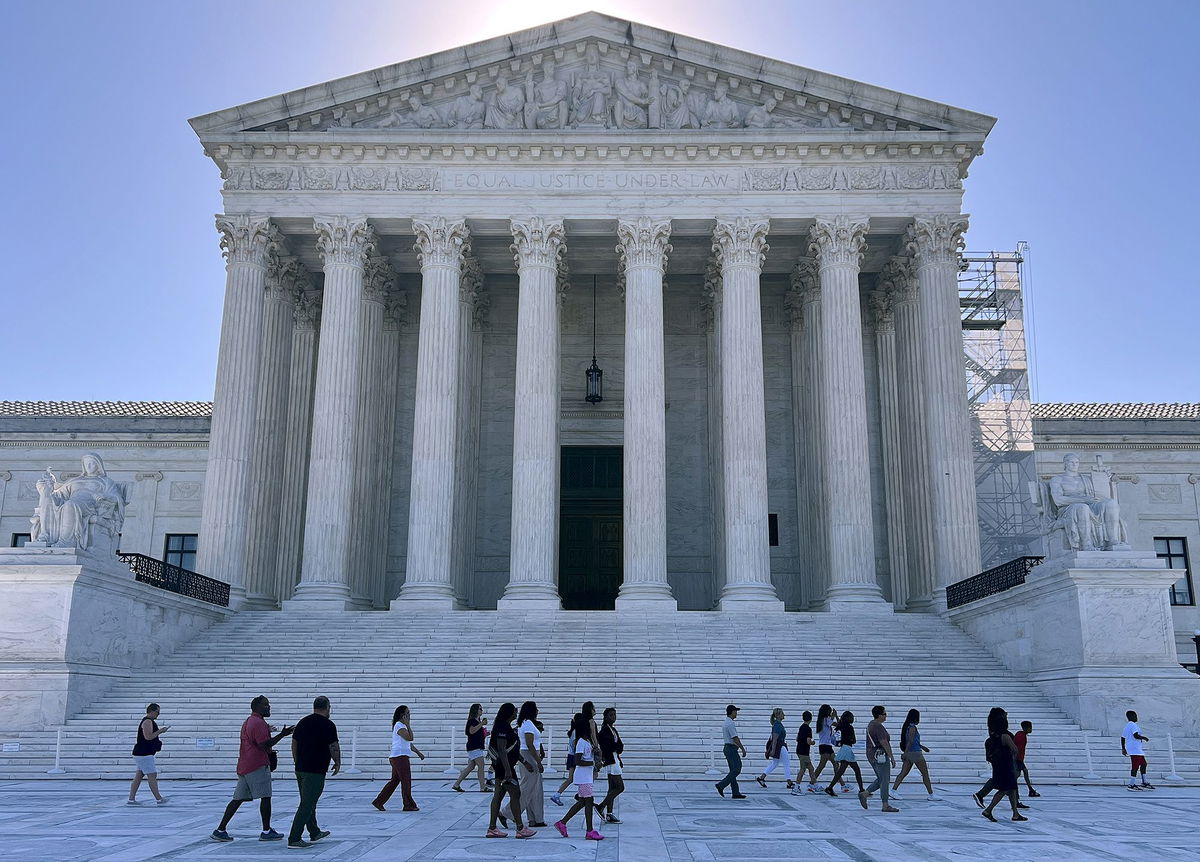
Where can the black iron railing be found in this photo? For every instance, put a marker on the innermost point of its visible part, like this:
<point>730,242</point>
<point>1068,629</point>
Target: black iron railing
<point>156,573</point>
<point>995,580</point>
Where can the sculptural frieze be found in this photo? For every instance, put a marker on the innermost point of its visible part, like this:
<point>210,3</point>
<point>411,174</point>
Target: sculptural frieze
<point>85,511</point>
<point>721,112</point>
<point>506,108</point>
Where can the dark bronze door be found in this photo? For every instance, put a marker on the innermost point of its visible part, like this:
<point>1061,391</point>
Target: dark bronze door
<point>589,554</point>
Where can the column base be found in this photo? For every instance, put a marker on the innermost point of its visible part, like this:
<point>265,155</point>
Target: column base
<point>857,598</point>
<point>426,596</point>
<point>521,597</point>
<point>237,597</point>
<point>750,598</point>
<point>319,597</point>
<point>257,602</point>
<point>647,604</point>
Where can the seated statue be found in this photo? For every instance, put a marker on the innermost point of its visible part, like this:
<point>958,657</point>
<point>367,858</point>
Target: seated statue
<point>1089,521</point>
<point>86,511</point>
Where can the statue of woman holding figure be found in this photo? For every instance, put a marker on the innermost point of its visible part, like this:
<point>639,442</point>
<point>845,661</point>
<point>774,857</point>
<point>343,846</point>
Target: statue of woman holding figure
<point>83,512</point>
<point>589,97</point>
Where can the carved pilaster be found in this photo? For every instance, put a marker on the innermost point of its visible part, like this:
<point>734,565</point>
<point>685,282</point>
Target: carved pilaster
<point>804,284</point>
<point>246,238</point>
<point>378,278</point>
<point>441,241</point>
<point>538,242</point>
<point>935,240</point>
<point>839,241</point>
<point>344,239</point>
<point>307,312</point>
<point>740,242</point>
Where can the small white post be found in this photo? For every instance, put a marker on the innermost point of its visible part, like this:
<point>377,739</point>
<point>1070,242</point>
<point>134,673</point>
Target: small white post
<point>712,760</point>
<point>353,769</point>
<point>1174,776</point>
<point>57,770</point>
<point>1087,749</point>
<point>549,770</point>
<point>450,770</point>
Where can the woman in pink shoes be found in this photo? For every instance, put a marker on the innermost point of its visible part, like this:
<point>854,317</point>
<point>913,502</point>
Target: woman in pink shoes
<point>505,749</point>
<point>584,762</point>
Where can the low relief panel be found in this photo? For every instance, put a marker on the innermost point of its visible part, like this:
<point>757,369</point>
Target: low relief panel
<point>185,490</point>
<point>326,179</point>
<point>1168,494</point>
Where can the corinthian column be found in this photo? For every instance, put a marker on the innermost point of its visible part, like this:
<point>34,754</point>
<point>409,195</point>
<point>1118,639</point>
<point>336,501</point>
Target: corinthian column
<point>740,246</point>
<point>285,276</point>
<point>838,245</point>
<point>429,574</point>
<point>344,243</point>
<point>221,551</point>
<point>914,463</point>
<point>538,242</point>
<point>644,248</point>
<point>935,243</point>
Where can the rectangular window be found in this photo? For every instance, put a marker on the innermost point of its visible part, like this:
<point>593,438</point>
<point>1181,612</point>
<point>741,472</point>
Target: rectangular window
<point>1174,551</point>
<point>19,540</point>
<point>180,550</point>
<point>773,530</point>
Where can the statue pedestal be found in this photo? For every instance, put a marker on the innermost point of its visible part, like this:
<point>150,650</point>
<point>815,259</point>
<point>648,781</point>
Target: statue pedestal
<point>73,623</point>
<point>1093,630</point>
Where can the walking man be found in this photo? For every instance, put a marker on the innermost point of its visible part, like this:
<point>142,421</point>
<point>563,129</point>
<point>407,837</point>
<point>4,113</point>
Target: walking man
<point>734,752</point>
<point>1021,738</point>
<point>1131,747</point>
<point>314,747</point>
<point>881,758</point>
<point>254,769</point>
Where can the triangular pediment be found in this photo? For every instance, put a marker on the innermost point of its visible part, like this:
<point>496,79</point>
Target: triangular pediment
<point>592,73</point>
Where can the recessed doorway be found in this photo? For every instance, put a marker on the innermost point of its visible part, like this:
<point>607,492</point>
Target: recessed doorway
<point>590,557</point>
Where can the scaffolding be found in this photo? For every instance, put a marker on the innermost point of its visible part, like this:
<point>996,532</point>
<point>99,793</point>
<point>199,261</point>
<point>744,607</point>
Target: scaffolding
<point>997,369</point>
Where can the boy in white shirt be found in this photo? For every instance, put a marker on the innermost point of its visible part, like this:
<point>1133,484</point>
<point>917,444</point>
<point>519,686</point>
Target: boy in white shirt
<point>1131,746</point>
<point>583,778</point>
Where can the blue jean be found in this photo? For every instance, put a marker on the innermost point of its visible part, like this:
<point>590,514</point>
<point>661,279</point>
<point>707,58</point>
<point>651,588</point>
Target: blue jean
<point>735,768</point>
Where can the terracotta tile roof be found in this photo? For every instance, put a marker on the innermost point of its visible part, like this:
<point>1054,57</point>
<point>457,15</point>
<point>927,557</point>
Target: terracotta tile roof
<point>1086,410</point>
<point>106,408</point>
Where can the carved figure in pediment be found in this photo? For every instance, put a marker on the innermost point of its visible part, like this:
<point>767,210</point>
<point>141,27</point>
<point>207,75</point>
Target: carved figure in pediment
<point>467,111</point>
<point>673,107</point>
<point>721,112</point>
<point>506,109</point>
<point>632,108</point>
<point>85,511</point>
<point>763,117</point>
<point>590,94</point>
<point>418,115</point>
<point>546,103</point>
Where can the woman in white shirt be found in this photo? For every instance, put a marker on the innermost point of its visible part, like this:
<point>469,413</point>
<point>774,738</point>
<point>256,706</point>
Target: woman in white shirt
<point>402,751</point>
<point>532,800</point>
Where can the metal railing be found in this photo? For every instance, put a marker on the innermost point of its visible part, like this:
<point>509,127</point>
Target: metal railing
<point>156,573</point>
<point>995,580</point>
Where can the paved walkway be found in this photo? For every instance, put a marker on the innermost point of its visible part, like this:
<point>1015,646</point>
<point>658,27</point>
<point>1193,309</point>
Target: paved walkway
<point>674,822</point>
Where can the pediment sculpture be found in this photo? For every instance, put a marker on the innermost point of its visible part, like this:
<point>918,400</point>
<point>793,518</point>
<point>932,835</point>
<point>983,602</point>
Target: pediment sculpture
<point>85,511</point>
<point>1080,511</point>
<point>591,97</point>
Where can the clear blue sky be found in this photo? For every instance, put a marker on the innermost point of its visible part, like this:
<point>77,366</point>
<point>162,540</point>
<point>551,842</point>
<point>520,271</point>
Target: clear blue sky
<point>108,203</point>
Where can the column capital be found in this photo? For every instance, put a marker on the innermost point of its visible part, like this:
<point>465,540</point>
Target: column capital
<point>937,239</point>
<point>882,303</point>
<point>470,289</point>
<point>246,238</point>
<point>287,277</point>
<point>839,241</point>
<point>307,312</point>
<point>344,239</point>
<point>805,288</point>
<point>378,278</point>
<point>740,242</point>
<point>538,241</point>
<point>899,278</point>
<point>441,241</point>
<point>395,309</point>
<point>644,242</point>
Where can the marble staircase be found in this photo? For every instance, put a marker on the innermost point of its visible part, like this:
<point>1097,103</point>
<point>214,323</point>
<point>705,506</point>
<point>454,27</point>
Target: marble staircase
<point>670,675</point>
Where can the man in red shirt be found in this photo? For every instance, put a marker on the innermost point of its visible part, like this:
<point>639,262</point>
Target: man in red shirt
<point>254,769</point>
<point>1021,738</point>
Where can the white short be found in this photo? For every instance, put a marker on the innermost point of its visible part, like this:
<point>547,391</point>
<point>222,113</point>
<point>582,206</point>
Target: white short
<point>475,755</point>
<point>145,764</point>
<point>614,769</point>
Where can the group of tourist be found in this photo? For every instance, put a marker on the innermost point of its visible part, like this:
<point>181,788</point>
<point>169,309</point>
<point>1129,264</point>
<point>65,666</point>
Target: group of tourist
<point>516,748</point>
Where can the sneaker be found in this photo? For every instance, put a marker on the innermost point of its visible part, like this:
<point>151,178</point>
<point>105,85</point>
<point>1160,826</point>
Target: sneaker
<point>931,797</point>
<point>133,802</point>
<point>798,792</point>
<point>1019,817</point>
<point>221,835</point>
<point>324,833</point>
<point>892,794</point>
<point>831,791</point>
<point>888,809</point>
<point>721,790</point>
<point>862,799</point>
<point>812,788</point>
<point>298,844</point>
<point>495,833</point>
<point>740,796</point>
<point>612,818</point>
<point>1132,787</point>
<point>1034,793</point>
<point>1146,786</point>
<point>989,816</point>
<point>378,806</point>
<point>978,799</point>
<point>162,800</point>
<point>457,789</point>
<point>556,799</point>
<point>562,829</point>
<point>525,832</point>
<point>594,836</point>
<point>762,781</point>
<point>845,788</point>
<point>270,835</point>
<point>1022,805</point>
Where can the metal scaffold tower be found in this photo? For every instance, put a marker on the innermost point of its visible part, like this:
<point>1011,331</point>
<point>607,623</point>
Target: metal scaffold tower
<point>997,368</point>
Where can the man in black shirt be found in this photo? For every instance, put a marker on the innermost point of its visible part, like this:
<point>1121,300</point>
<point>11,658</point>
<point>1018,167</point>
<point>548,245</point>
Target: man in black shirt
<point>314,747</point>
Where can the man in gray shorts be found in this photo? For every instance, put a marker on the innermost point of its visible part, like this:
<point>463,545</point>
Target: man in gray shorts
<point>254,769</point>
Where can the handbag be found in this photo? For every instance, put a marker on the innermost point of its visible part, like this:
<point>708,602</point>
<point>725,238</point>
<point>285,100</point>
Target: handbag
<point>272,760</point>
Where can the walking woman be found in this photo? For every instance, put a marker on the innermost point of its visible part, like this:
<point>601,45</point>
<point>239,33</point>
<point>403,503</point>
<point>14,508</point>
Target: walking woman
<point>505,752</point>
<point>556,797</point>
<point>532,798</point>
<point>845,757</point>
<point>777,750</point>
<point>402,752</point>
<point>825,717</point>
<point>148,744</point>
<point>912,752</point>
<point>1002,754</point>
<point>611,749</point>
<point>475,731</point>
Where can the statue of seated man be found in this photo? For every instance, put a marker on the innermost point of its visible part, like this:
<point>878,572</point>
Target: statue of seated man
<point>86,511</point>
<point>1092,522</point>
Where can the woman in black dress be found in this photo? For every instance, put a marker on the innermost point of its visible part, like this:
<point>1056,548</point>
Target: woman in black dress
<point>1002,754</point>
<point>505,750</point>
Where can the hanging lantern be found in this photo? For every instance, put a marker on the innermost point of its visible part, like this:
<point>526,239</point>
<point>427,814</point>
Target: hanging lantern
<point>595,377</point>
